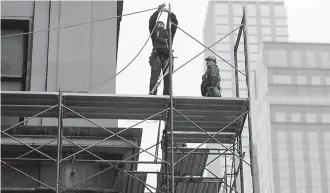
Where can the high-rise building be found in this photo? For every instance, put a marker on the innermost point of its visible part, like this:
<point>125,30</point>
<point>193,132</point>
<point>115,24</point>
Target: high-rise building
<point>291,117</point>
<point>266,21</point>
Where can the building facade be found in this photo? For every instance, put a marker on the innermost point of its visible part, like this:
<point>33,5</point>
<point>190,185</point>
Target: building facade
<point>292,106</point>
<point>69,51</point>
<point>73,58</point>
<point>266,21</point>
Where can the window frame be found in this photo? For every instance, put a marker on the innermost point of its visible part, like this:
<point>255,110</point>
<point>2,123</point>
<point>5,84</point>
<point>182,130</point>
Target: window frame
<point>24,25</point>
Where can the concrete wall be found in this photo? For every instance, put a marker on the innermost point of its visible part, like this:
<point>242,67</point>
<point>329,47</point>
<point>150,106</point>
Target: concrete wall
<point>75,58</point>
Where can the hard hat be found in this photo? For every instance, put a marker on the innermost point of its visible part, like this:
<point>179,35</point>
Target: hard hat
<point>211,58</point>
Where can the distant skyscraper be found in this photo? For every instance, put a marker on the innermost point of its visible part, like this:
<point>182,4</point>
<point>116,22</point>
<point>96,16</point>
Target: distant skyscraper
<point>266,21</point>
<point>291,123</point>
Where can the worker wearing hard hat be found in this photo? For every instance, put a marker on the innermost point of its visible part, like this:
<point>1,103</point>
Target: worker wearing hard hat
<point>159,58</point>
<point>210,86</point>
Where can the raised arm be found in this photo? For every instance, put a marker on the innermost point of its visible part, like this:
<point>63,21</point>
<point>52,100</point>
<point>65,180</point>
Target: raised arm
<point>153,20</point>
<point>173,27</point>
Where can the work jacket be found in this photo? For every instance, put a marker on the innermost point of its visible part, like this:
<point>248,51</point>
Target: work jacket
<point>210,80</point>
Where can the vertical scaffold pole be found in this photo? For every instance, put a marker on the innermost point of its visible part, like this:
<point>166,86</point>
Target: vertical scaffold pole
<point>236,74</point>
<point>59,143</point>
<point>226,173</point>
<point>171,95</point>
<point>241,162</point>
<point>247,69</point>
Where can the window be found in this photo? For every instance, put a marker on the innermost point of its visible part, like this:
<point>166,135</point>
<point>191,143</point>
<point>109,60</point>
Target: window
<point>252,30</point>
<point>266,38</point>
<point>254,57</point>
<point>255,84</point>
<point>311,58</point>
<point>251,10</point>
<point>224,55</point>
<point>222,20</point>
<point>251,21</point>
<point>281,79</point>
<point>224,66</point>
<point>316,80</point>
<point>296,58</point>
<point>223,29</point>
<point>253,48</point>
<point>13,59</point>
<point>280,11</point>
<point>265,21</point>
<point>277,57</point>
<point>326,118</point>
<point>242,85</point>
<point>221,8</point>
<point>226,84</point>
<point>225,75</point>
<point>295,117</point>
<point>264,10</point>
<point>327,80</point>
<point>252,39</point>
<point>325,59</point>
<point>266,31</point>
<point>280,117</point>
<point>223,47</point>
<point>301,79</point>
<point>227,93</point>
<point>237,21</point>
<point>281,38</point>
<point>238,9</point>
<point>311,118</point>
<point>13,54</point>
<point>281,22</point>
<point>221,36</point>
<point>281,31</point>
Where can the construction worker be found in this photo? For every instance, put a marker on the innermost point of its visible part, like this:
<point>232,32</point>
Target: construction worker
<point>210,86</point>
<point>159,58</point>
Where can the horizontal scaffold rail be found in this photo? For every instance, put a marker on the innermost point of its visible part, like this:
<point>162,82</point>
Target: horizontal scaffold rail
<point>209,113</point>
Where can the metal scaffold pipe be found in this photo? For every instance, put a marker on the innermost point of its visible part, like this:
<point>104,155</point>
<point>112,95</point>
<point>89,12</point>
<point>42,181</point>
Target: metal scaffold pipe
<point>59,144</point>
<point>171,96</point>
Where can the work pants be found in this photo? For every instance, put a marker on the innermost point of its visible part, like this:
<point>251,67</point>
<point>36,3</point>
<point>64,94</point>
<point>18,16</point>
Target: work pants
<point>159,63</point>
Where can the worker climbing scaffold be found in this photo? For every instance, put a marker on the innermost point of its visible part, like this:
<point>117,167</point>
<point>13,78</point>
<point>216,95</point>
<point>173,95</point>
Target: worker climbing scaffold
<point>159,58</point>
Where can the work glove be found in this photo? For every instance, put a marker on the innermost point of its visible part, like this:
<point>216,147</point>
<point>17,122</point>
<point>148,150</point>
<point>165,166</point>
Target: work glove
<point>166,10</point>
<point>161,7</point>
<point>210,90</point>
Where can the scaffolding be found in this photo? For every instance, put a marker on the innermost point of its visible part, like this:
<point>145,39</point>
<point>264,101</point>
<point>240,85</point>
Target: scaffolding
<point>187,120</point>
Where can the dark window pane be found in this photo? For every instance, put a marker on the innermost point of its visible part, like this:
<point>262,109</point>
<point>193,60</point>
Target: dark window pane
<point>11,85</point>
<point>9,121</point>
<point>12,53</point>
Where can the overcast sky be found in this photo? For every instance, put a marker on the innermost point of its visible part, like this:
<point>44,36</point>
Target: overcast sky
<point>307,20</point>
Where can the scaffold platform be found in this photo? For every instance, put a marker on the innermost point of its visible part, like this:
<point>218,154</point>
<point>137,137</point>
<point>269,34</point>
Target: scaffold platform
<point>209,113</point>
